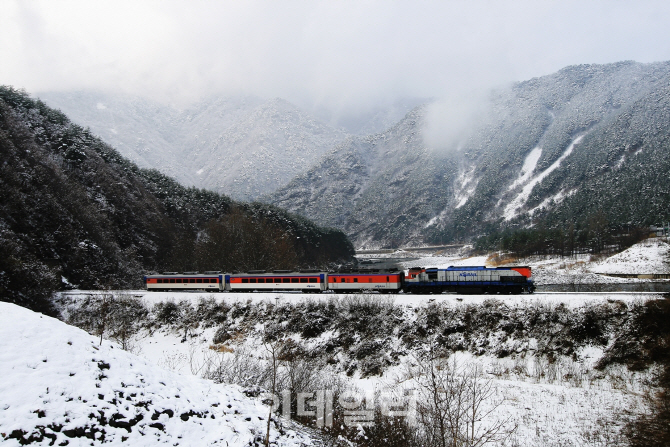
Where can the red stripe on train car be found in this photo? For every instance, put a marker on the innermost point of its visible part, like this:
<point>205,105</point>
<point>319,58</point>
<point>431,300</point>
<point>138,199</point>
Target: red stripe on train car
<point>525,271</point>
<point>395,278</point>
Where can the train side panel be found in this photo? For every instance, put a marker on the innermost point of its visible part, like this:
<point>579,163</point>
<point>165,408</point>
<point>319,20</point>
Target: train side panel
<point>359,281</point>
<point>476,279</point>
<point>247,282</point>
<point>176,282</point>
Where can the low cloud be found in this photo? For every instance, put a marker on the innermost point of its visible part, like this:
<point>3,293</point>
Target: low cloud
<point>345,57</point>
<point>450,119</point>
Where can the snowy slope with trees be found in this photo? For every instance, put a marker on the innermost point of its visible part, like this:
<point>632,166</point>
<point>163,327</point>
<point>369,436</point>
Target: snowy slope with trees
<point>61,386</point>
<point>243,147</point>
<point>581,148</point>
<point>582,151</point>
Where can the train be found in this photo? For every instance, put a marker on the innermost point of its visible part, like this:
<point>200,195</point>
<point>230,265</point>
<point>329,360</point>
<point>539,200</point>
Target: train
<point>469,279</point>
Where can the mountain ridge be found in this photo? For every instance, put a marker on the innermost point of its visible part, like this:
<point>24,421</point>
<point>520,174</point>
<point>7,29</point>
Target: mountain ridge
<point>580,121</point>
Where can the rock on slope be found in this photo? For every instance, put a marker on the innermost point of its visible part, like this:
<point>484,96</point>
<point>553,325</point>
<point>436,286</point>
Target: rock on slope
<point>59,387</point>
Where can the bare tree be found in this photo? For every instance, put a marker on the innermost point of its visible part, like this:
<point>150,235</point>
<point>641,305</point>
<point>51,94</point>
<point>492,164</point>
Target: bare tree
<point>126,315</point>
<point>453,402</point>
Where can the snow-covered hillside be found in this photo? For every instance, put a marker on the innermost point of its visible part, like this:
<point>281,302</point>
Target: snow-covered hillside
<point>588,139</point>
<point>58,386</point>
<point>242,147</point>
<point>646,258</point>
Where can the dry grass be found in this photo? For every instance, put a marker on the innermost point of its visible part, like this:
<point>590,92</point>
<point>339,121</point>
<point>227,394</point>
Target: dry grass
<point>500,259</point>
<point>221,348</point>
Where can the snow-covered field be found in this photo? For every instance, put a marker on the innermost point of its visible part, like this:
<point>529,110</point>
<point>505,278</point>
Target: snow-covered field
<point>59,384</point>
<point>566,403</point>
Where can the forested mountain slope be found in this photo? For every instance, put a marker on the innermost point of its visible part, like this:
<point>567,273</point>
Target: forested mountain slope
<point>588,143</point>
<point>75,213</point>
<point>243,147</point>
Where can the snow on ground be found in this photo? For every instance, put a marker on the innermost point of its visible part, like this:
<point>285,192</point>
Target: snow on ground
<point>561,403</point>
<point>58,381</point>
<point>59,387</point>
<point>647,257</point>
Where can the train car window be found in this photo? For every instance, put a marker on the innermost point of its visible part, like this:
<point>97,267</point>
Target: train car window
<point>192,280</point>
<point>261,280</point>
<point>387,279</point>
<point>285,280</point>
<point>206,280</point>
<point>355,279</point>
<point>303,279</point>
<point>295,280</point>
<point>199,280</point>
<point>245,280</point>
<point>312,280</point>
<point>342,280</point>
<point>252,280</point>
<point>178,280</point>
<point>369,279</point>
<point>160,281</point>
<point>172,281</point>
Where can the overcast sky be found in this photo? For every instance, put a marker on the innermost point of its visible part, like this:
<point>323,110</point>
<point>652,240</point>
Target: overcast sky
<point>338,55</point>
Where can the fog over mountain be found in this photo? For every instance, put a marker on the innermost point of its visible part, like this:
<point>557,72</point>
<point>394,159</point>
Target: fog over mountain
<point>560,148</point>
<point>240,146</point>
<point>550,149</point>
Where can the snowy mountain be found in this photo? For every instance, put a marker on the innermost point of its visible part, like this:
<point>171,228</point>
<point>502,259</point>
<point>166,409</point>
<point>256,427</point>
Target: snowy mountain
<point>75,213</point>
<point>586,144</point>
<point>376,188</point>
<point>242,147</point>
<point>62,387</point>
<point>587,141</point>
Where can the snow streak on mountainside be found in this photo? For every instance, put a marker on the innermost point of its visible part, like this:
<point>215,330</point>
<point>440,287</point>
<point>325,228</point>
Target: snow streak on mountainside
<point>520,200</point>
<point>590,138</point>
<point>242,147</point>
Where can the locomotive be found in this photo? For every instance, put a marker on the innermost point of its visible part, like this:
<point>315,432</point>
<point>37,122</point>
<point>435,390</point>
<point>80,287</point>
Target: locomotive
<point>475,279</point>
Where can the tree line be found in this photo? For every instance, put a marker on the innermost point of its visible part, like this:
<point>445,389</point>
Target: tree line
<point>594,234</point>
